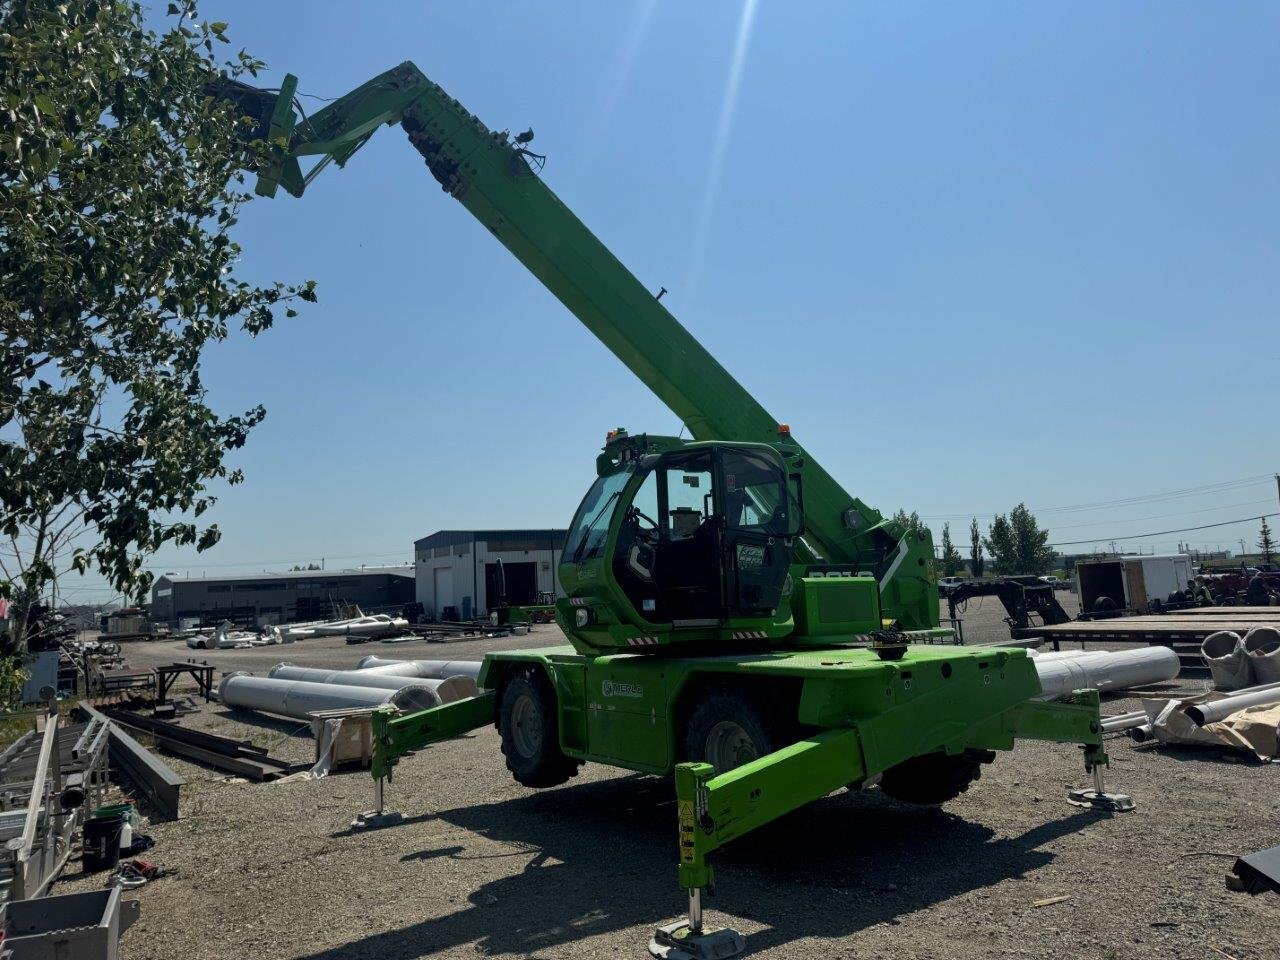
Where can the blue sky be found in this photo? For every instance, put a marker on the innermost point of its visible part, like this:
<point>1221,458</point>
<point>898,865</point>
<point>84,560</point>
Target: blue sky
<point>974,254</point>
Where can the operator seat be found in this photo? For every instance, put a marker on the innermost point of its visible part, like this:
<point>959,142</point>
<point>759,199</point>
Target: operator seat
<point>687,570</point>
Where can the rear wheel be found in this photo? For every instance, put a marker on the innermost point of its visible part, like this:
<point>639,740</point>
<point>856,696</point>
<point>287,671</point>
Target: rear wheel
<point>731,727</point>
<point>934,778</point>
<point>528,720</point>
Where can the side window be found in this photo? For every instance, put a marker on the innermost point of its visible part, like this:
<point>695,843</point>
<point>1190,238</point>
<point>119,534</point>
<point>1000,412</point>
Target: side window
<point>689,498</point>
<point>645,502</point>
<point>755,493</point>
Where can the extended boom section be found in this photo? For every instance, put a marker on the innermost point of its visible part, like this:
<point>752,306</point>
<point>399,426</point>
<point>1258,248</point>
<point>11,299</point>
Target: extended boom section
<point>493,177</point>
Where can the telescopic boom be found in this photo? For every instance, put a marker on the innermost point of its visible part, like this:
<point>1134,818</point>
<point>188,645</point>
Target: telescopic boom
<point>493,176</point>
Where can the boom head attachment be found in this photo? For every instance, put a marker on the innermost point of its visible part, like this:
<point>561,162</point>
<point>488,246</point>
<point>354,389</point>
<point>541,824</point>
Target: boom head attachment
<point>274,121</point>
<point>332,134</point>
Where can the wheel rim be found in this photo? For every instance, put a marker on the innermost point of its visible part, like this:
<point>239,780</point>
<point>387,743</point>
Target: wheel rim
<point>729,746</point>
<point>526,726</point>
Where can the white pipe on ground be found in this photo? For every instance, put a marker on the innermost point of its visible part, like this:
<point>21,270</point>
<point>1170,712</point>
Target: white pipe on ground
<point>1073,654</point>
<point>298,698</point>
<point>437,669</point>
<point>448,690</point>
<point>1111,671</point>
<point>370,627</point>
<point>1262,646</point>
<point>1203,713</point>
<point>1142,732</point>
<point>1227,661</point>
<point>1124,721</point>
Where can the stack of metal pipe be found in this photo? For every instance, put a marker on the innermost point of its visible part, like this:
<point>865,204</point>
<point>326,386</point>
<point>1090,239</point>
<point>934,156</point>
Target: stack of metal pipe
<point>448,689</point>
<point>369,626</point>
<point>293,691</point>
<point>426,669</point>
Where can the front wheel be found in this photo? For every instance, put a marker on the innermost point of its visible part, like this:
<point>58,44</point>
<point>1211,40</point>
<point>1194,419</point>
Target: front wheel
<point>934,778</point>
<point>528,720</point>
<point>730,727</point>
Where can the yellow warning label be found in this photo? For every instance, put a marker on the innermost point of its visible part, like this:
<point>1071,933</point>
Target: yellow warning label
<point>687,839</point>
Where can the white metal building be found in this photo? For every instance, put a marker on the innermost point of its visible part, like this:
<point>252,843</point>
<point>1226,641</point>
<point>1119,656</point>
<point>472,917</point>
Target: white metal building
<point>457,570</point>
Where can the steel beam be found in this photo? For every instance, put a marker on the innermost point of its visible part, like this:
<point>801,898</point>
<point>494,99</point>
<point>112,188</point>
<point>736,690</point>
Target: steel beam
<point>161,785</point>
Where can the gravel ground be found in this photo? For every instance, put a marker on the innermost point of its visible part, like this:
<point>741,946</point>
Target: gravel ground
<point>481,865</point>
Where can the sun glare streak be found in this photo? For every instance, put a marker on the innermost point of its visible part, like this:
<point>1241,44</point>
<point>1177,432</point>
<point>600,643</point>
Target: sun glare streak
<point>720,147</point>
<point>637,31</point>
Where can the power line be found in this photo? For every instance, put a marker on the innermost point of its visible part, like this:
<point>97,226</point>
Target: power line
<point>1157,497</point>
<point>1202,490</point>
<point>1165,516</point>
<point>1159,533</point>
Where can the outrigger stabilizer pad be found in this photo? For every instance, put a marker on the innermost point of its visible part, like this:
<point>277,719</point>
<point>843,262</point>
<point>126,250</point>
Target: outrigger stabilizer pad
<point>675,941</point>
<point>372,820</point>
<point>1100,800</point>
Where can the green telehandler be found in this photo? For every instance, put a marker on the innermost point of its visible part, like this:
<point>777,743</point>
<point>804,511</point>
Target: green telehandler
<point>735,618</point>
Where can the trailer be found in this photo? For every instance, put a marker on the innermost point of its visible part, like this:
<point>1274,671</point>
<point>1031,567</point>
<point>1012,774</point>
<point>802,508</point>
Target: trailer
<point>1136,583</point>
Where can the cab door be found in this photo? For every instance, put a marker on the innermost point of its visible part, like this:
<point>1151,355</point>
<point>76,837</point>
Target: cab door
<point>758,523</point>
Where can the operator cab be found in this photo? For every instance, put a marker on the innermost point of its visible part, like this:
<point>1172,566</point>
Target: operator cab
<point>691,536</point>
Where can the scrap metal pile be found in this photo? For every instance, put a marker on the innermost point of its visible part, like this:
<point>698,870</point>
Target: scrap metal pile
<point>362,628</point>
<point>54,784</point>
<point>1241,712</point>
<point>355,629</point>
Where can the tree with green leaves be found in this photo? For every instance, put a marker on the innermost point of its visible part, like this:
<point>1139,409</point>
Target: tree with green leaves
<point>909,520</point>
<point>977,562</point>
<point>1017,544</point>
<point>1266,545</point>
<point>952,562</point>
<point>120,185</point>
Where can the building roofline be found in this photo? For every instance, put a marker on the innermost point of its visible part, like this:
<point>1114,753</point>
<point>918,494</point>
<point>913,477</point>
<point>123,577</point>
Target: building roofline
<point>457,536</point>
<point>405,570</point>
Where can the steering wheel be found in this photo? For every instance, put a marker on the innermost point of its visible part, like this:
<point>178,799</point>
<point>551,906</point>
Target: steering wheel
<point>638,514</point>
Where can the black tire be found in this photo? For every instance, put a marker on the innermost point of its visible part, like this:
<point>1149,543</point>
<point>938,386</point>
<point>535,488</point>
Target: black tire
<point>528,719</point>
<point>728,721</point>
<point>933,778</point>
<point>1105,604</point>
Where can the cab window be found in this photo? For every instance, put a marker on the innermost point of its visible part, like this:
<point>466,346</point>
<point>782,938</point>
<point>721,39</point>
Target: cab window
<point>755,493</point>
<point>590,527</point>
<point>689,498</point>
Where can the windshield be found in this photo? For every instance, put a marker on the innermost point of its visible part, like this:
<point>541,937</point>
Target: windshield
<point>590,526</point>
